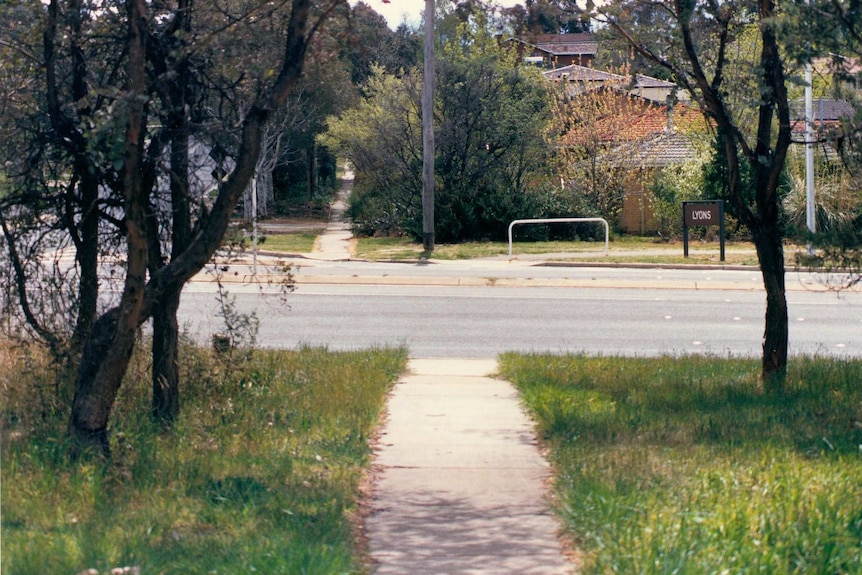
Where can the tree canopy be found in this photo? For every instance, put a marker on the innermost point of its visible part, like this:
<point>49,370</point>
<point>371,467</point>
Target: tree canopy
<point>493,163</point>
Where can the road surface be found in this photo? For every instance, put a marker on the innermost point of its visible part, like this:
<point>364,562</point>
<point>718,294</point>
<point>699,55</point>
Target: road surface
<point>470,320</point>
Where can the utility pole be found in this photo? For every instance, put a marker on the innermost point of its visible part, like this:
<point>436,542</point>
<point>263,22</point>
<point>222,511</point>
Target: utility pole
<point>428,132</point>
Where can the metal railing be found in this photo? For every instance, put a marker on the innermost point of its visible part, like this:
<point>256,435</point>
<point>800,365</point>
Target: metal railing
<point>561,221</point>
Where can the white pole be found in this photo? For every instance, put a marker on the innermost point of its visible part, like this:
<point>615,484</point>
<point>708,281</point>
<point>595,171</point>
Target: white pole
<point>254,223</point>
<point>810,217</point>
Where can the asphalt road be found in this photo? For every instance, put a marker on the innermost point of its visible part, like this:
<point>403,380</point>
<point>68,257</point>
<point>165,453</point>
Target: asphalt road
<point>475,320</point>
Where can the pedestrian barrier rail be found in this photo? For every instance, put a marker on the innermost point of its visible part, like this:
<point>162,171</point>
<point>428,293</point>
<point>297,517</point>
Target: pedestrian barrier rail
<point>561,221</point>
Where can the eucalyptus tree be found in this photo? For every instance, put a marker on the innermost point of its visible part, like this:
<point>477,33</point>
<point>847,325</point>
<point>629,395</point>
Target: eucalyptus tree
<point>129,88</point>
<point>696,48</point>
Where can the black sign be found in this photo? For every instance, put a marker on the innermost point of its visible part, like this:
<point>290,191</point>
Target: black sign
<point>702,214</point>
<point>708,213</point>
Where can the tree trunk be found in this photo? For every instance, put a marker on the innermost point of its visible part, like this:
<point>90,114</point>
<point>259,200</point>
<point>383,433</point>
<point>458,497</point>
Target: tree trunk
<point>87,256</point>
<point>109,348</point>
<point>166,373</point>
<point>770,253</point>
<point>310,157</point>
<point>166,335</point>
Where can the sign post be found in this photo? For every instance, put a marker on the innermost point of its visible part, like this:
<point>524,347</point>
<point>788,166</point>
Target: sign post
<point>704,213</point>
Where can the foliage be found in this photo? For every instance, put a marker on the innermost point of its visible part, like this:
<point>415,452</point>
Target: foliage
<point>672,186</point>
<point>837,201</point>
<point>370,43</point>
<point>681,464</point>
<point>491,161</point>
<point>491,158</point>
<point>829,34</point>
<point>261,473</point>
<point>590,131</point>
<point>382,138</point>
<point>546,17</point>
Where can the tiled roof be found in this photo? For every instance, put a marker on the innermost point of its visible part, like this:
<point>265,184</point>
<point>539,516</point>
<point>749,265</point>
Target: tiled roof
<point>635,120</point>
<point>581,73</point>
<point>642,81</point>
<point>585,74</point>
<point>662,150</point>
<point>561,44</point>
<point>825,110</point>
<point>568,48</point>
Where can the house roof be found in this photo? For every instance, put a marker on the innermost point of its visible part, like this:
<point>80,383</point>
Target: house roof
<point>633,119</point>
<point>825,110</point>
<point>659,151</point>
<point>580,73</point>
<point>575,73</point>
<point>561,44</point>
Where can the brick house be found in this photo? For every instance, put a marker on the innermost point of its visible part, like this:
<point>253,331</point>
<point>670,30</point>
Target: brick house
<point>633,138</point>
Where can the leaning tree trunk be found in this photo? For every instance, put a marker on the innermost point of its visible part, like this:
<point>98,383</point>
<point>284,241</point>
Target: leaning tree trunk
<point>109,347</point>
<point>770,253</point>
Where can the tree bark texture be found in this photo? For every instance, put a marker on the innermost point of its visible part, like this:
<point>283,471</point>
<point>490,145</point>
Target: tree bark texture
<point>166,373</point>
<point>770,253</point>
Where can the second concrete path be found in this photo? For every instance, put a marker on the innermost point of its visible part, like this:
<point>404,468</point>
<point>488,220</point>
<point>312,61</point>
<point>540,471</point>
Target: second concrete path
<point>461,486</point>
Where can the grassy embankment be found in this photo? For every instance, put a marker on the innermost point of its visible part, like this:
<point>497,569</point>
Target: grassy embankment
<point>680,465</point>
<point>261,473</point>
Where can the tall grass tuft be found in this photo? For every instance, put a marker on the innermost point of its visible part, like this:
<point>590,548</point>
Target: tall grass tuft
<point>260,473</point>
<point>680,465</point>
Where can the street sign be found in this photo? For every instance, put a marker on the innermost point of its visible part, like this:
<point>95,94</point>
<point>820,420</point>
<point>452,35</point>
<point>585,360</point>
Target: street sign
<point>704,213</point>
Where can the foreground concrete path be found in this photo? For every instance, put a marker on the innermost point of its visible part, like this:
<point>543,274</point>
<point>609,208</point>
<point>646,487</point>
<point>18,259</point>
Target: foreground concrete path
<point>461,485</point>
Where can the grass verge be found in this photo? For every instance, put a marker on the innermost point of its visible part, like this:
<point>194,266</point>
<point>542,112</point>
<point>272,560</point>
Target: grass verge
<point>299,242</point>
<point>260,474</point>
<point>681,465</point>
<point>623,249</point>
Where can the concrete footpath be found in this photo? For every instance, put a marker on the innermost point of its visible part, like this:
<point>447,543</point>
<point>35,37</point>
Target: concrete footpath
<point>460,486</point>
<point>334,243</point>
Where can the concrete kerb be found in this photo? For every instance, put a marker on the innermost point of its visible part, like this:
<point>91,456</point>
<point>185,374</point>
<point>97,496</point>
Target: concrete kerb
<point>242,274</point>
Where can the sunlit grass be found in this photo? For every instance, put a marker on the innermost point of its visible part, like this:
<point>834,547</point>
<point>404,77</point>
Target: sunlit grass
<point>682,465</point>
<point>622,249</point>
<point>299,242</point>
<point>260,474</point>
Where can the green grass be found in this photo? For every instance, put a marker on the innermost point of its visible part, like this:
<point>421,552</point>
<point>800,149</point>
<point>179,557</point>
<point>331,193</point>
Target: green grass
<point>299,242</point>
<point>261,473</point>
<point>622,249</point>
<point>681,465</point>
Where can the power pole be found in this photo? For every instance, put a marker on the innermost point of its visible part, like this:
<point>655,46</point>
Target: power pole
<point>428,132</point>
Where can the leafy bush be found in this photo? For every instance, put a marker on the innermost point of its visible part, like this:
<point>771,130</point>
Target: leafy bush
<point>491,164</point>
